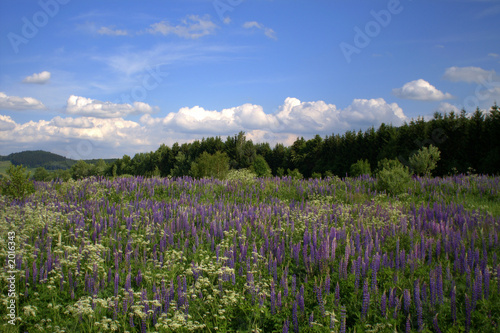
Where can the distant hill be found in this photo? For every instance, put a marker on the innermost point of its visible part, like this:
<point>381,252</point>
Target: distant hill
<point>45,159</point>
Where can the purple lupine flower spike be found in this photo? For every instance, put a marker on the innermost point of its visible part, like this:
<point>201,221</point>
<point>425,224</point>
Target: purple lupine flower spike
<point>343,316</point>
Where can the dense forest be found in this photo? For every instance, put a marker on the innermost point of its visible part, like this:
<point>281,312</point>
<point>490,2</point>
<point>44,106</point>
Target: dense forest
<point>467,143</point>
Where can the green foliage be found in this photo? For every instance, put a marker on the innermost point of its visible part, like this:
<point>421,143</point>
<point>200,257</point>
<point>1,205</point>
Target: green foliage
<point>99,168</point>
<point>260,167</point>
<point>361,167</point>
<point>280,172</point>
<point>181,166</point>
<point>80,170</point>
<point>393,177</point>
<point>207,166</point>
<point>316,175</point>
<point>425,160</point>
<point>295,174</point>
<point>18,185</point>
<point>41,175</point>
<point>63,175</point>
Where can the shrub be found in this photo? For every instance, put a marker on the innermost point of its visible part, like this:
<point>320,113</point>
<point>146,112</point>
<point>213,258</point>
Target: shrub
<point>425,160</point>
<point>18,185</point>
<point>393,177</point>
<point>295,174</point>
<point>316,175</point>
<point>361,167</point>
<point>41,175</point>
<point>260,167</point>
<point>207,165</point>
<point>328,173</point>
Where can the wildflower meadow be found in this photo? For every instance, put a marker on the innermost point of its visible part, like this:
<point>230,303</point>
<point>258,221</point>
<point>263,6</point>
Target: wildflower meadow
<point>135,254</point>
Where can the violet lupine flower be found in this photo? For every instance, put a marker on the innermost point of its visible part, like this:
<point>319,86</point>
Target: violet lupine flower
<point>294,318</point>
<point>478,287</point>
<point>408,325</point>
<point>319,297</point>
<point>311,319</point>
<point>286,326</point>
<point>392,297</point>
<point>396,308</point>
<point>128,284</point>
<point>279,300</point>
<point>27,274</point>
<point>407,300</point>
<point>374,280</point>
<point>117,281</point>
<point>343,316</point>
<point>468,311</point>
<point>366,300</point>
<point>138,278</point>
<point>383,305</point>
<point>301,298</point>
<point>498,279</point>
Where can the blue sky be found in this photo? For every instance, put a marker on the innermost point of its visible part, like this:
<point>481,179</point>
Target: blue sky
<point>90,79</point>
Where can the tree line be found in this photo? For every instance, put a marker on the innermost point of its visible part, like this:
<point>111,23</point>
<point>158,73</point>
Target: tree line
<point>467,143</point>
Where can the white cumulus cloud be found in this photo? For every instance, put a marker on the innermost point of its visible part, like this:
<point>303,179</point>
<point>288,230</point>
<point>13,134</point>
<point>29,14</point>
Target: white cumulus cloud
<point>39,78</point>
<point>420,90</point>
<point>19,103</point>
<point>469,74</point>
<point>6,123</point>
<point>83,106</point>
<point>192,27</point>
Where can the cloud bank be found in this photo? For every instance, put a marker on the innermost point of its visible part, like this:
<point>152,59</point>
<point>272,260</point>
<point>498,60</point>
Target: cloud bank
<point>102,129</point>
